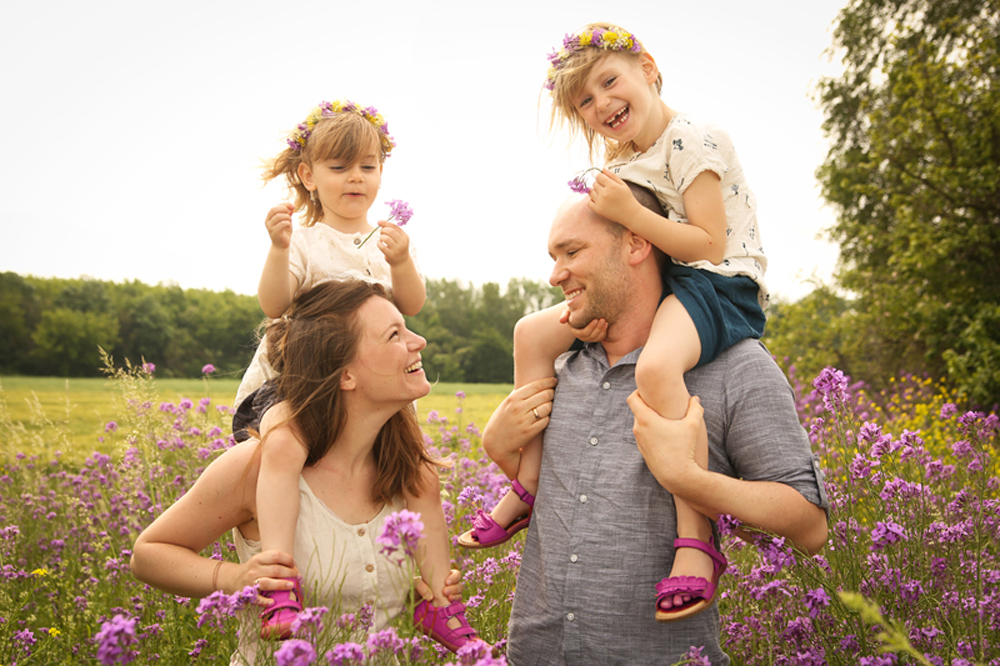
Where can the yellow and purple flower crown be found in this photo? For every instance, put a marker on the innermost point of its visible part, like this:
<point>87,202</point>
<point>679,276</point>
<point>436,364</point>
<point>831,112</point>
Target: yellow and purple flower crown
<point>599,38</point>
<point>297,141</point>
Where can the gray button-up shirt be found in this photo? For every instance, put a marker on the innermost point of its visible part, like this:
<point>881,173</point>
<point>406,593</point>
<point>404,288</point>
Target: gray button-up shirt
<point>602,531</point>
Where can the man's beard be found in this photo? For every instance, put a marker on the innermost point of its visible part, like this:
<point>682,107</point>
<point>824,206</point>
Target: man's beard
<point>608,294</point>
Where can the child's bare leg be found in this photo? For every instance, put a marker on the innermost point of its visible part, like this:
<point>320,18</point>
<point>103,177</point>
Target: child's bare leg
<point>433,554</point>
<point>674,348</point>
<point>539,338</point>
<point>282,459</point>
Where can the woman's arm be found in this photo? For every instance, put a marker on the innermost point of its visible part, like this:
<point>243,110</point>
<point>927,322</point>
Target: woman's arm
<point>166,554</point>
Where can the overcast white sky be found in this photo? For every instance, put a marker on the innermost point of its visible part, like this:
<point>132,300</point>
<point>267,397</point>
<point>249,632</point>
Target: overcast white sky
<point>132,131</point>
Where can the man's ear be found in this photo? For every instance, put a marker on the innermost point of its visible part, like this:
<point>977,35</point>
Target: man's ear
<point>638,248</point>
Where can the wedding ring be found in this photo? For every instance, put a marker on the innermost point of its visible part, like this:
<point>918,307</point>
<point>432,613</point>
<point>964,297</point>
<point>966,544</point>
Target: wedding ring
<point>534,410</point>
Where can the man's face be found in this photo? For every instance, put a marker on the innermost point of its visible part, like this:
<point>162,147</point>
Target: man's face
<point>589,265</point>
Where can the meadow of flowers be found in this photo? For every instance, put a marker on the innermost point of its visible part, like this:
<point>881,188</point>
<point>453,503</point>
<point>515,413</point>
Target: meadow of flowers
<point>910,574</point>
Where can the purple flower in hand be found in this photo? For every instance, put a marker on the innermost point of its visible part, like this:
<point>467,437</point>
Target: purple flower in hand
<point>399,210</point>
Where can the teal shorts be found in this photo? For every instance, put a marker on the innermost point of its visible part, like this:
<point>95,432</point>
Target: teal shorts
<point>724,309</point>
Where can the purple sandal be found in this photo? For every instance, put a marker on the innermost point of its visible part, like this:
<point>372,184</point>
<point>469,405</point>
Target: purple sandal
<point>276,620</point>
<point>486,532</point>
<point>433,621</point>
<point>701,591</point>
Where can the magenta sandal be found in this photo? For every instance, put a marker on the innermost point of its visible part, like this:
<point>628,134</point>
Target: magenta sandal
<point>276,620</point>
<point>486,532</point>
<point>433,621</point>
<point>701,591</point>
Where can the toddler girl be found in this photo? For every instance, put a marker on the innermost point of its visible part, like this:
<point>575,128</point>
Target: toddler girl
<point>604,84</point>
<point>333,166</point>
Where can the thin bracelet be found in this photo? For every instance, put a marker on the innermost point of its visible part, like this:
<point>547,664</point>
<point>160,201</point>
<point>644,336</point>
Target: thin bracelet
<point>215,576</point>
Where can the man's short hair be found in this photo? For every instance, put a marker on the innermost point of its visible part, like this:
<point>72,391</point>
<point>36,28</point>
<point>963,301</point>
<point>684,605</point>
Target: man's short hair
<point>647,199</point>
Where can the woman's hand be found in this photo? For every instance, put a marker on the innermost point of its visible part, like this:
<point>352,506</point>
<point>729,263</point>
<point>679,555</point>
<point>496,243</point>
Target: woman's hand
<point>264,570</point>
<point>453,586</point>
<point>516,421</point>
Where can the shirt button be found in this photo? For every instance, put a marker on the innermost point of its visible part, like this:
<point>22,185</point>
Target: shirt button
<point>369,568</point>
<point>583,498</point>
<point>570,616</point>
<point>606,385</point>
<point>361,531</point>
<point>574,557</point>
<point>593,441</point>
<point>357,241</point>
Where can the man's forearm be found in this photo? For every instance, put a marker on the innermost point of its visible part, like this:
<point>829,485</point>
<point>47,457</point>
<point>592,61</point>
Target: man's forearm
<point>774,507</point>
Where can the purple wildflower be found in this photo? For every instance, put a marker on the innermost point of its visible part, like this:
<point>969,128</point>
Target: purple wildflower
<point>207,369</point>
<point>114,639</point>
<point>386,641</point>
<point>832,385</point>
<point>149,368</point>
<point>817,600</point>
<point>885,534</point>
<point>25,639</point>
<point>579,185</point>
<point>310,619</point>
<point>295,652</point>
<point>346,654</point>
<point>399,210</point>
<point>402,531</point>
<point>696,658</point>
<point>110,426</point>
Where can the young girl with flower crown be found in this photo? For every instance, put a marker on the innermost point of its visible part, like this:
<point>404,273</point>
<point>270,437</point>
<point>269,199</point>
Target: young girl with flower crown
<point>333,165</point>
<point>606,86</point>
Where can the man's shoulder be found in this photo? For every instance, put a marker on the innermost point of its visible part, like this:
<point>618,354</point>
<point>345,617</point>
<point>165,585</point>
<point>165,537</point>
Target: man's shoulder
<point>745,363</point>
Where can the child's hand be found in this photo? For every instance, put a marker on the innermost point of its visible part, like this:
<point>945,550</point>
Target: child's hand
<point>279,225</point>
<point>595,331</point>
<point>610,197</point>
<point>394,243</point>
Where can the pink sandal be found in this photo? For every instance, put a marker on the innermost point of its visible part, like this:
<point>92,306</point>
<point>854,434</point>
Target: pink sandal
<point>276,620</point>
<point>486,532</point>
<point>433,621</point>
<point>701,591</point>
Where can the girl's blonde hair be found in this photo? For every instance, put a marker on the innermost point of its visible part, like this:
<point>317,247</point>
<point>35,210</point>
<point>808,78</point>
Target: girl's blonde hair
<point>345,136</point>
<point>310,347</point>
<point>569,78</point>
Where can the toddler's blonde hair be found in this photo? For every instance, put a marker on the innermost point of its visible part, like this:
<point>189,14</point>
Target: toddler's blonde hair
<point>344,136</point>
<point>569,79</point>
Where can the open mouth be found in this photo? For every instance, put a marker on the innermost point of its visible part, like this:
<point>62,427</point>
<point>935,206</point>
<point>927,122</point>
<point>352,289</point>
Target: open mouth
<point>619,118</point>
<point>570,295</point>
<point>413,368</point>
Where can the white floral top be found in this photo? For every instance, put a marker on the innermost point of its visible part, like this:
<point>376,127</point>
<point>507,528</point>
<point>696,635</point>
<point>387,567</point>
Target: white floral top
<point>683,151</point>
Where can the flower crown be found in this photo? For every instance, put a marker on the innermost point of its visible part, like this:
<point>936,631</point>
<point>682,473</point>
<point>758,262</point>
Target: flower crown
<point>297,141</point>
<point>616,39</point>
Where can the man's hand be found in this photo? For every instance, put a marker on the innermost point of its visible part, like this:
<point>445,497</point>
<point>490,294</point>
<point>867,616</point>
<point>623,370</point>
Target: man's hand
<point>668,445</point>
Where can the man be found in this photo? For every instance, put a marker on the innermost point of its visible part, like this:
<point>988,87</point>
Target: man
<point>603,527</point>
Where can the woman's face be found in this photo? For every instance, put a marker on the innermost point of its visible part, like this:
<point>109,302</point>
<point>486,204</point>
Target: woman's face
<point>387,367</point>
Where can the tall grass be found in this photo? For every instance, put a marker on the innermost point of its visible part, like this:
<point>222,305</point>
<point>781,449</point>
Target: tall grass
<point>910,574</point>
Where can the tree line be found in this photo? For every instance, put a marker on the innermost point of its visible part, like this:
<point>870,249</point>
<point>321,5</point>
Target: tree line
<point>55,327</point>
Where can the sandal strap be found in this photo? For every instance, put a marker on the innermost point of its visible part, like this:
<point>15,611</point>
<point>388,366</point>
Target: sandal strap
<point>720,563</point>
<point>288,604</point>
<point>525,496</point>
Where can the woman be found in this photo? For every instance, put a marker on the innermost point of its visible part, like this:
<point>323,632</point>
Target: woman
<point>349,371</point>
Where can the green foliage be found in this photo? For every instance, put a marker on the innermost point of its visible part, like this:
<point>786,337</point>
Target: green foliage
<point>469,329</point>
<point>55,326</point>
<point>914,173</point>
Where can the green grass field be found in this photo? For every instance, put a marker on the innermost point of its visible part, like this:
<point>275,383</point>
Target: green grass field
<point>70,414</point>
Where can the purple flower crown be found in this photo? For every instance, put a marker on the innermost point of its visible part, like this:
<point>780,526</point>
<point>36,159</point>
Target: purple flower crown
<point>297,140</point>
<point>616,39</point>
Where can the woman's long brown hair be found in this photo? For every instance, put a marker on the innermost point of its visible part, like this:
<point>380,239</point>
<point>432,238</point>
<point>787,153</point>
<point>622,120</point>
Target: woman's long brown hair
<point>309,348</point>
